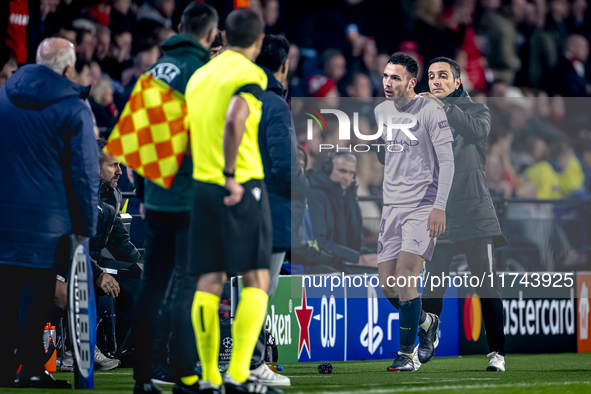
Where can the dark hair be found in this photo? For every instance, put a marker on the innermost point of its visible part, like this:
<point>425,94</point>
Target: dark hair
<point>560,148</point>
<point>218,41</point>
<point>453,65</point>
<point>80,64</point>
<point>408,62</point>
<point>102,155</point>
<point>328,55</point>
<point>197,19</point>
<point>352,78</point>
<point>243,27</point>
<point>274,52</point>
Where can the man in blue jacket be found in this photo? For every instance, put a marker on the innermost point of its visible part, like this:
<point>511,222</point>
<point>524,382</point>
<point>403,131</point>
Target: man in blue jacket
<point>48,150</point>
<point>284,178</point>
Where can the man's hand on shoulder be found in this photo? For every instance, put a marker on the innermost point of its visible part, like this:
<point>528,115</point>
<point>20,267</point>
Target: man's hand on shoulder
<point>436,223</point>
<point>431,97</point>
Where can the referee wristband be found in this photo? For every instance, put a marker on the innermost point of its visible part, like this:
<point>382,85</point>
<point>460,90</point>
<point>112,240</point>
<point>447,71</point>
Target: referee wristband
<point>229,174</point>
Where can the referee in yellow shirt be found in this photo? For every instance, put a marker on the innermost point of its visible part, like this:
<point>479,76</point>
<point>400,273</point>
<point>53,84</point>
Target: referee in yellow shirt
<point>231,222</point>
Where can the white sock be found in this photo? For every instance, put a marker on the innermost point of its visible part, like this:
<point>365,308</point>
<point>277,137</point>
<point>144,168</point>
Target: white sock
<point>427,323</point>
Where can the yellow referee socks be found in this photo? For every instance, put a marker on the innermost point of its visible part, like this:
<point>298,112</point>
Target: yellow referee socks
<point>204,314</point>
<point>245,330</point>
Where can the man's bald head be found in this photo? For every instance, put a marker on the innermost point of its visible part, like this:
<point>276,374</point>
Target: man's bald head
<point>578,46</point>
<point>56,53</point>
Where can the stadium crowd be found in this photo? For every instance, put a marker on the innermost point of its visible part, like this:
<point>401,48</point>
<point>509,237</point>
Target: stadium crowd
<point>534,52</point>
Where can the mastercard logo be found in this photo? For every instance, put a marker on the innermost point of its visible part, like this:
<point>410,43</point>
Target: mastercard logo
<point>472,317</point>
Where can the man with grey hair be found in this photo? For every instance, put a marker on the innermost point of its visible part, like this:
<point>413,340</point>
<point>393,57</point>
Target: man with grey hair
<point>48,148</point>
<point>334,211</point>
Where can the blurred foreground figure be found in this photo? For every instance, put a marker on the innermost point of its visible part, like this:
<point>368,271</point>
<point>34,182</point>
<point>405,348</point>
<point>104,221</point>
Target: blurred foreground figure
<point>48,148</point>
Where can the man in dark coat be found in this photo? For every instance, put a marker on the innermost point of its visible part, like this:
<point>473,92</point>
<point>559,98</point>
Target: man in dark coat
<point>283,177</point>
<point>472,227</point>
<point>335,214</point>
<point>168,213</point>
<point>49,151</point>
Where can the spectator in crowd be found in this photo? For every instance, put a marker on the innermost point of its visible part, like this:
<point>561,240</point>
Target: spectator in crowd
<point>103,37</point>
<point>95,76</point>
<point>320,86</point>
<point>60,201</point>
<point>497,186</point>
<point>86,41</point>
<point>556,21</point>
<point>334,64</point>
<point>119,54</point>
<point>8,66</point>
<point>500,28</point>
<point>157,10</point>
<point>359,85</point>
<point>82,76</point>
<point>112,235</point>
<point>585,159</point>
<point>578,22</point>
<point>432,37</point>
<point>559,177</point>
<point>335,214</point>
<point>146,56</point>
<point>376,73</point>
<point>122,15</point>
<point>271,10</point>
<point>15,15</point>
<point>499,145</point>
<point>571,78</point>
<point>534,150</point>
<point>217,46</point>
<point>68,33</point>
<point>102,105</point>
<point>539,53</point>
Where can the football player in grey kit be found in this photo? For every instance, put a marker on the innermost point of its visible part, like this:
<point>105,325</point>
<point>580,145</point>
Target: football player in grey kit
<point>418,173</point>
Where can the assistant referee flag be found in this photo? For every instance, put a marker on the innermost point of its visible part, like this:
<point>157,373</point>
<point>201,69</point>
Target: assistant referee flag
<point>151,136</point>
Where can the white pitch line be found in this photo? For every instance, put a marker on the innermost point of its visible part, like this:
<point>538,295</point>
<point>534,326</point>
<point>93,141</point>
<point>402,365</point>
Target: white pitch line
<point>457,387</point>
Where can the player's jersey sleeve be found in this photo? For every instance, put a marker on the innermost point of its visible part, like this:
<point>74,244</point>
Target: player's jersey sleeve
<point>437,125</point>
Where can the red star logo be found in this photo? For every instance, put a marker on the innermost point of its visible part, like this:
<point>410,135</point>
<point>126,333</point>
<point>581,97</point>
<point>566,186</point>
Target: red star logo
<point>304,316</point>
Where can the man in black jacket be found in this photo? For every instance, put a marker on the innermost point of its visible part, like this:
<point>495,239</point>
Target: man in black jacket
<point>283,177</point>
<point>334,212</point>
<point>472,226</point>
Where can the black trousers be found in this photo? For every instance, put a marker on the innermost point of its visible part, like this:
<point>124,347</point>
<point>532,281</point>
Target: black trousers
<point>479,254</point>
<point>26,299</point>
<point>166,259</point>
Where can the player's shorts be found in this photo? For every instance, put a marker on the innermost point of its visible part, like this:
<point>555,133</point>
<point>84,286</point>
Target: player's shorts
<point>234,239</point>
<point>405,230</point>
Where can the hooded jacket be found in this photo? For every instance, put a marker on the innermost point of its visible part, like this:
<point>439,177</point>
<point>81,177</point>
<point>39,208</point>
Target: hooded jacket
<point>336,217</point>
<point>50,164</point>
<point>183,55</point>
<point>284,178</point>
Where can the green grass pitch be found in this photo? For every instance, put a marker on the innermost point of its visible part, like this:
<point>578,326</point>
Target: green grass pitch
<point>546,373</point>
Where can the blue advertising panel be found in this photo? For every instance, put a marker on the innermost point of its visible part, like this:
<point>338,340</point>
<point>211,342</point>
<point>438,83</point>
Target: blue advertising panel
<point>356,321</point>
<point>326,331</point>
